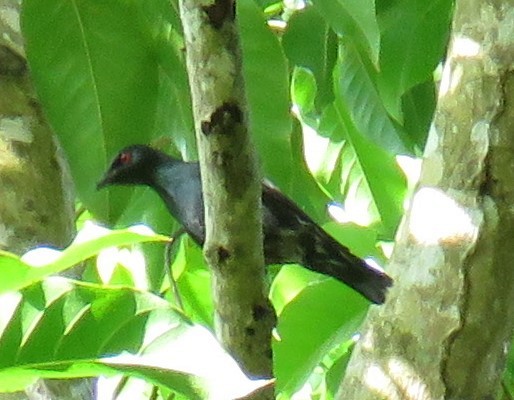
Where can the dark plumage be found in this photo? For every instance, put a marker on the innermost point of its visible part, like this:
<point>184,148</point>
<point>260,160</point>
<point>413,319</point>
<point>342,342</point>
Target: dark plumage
<point>290,235</point>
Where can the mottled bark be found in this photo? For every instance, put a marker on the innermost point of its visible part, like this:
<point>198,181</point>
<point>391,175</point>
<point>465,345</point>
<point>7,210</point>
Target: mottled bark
<point>446,328</point>
<point>37,206</point>
<point>231,183</point>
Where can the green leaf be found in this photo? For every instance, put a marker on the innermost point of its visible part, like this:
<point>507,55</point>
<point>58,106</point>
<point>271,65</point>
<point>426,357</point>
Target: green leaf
<point>303,93</point>
<point>267,90</point>
<point>310,325</point>
<point>62,329</point>
<point>418,104</point>
<point>174,117</point>
<point>87,61</point>
<point>414,36</point>
<point>355,89</point>
<point>367,167</point>
<point>310,43</point>
<point>194,282</point>
<point>42,262</point>
<point>148,208</point>
<point>356,21</point>
<point>361,240</point>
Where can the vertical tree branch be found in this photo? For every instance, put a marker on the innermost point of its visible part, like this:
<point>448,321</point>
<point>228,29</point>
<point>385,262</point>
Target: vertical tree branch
<point>231,183</point>
<point>448,322</point>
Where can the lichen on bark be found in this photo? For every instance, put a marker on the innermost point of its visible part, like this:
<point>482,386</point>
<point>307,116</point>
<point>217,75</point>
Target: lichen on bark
<point>231,183</point>
<point>445,329</point>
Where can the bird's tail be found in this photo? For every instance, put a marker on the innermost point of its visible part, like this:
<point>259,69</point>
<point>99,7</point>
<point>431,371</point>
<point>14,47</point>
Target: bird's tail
<point>329,257</point>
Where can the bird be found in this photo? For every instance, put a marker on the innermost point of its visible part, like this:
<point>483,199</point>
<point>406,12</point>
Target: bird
<point>290,235</point>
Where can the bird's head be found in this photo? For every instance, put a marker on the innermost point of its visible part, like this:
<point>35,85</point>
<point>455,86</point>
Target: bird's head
<point>134,165</point>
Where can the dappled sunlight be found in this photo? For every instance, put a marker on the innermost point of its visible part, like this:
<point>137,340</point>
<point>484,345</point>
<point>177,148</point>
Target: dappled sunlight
<point>408,382</point>
<point>354,210</point>
<point>16,129</point>
<point>195,351</point>
<point>315,147</point>
<point>91,231</point>
<point>436,218</point>
<point>131,259</point>
<point>366,340</point>
<point>450,79</point>
<point>396,380</point>
<point>378,381</point>
<point>41,256</point>
<point>411,167</point>
<point>9,161</point>
<point>461,46</point>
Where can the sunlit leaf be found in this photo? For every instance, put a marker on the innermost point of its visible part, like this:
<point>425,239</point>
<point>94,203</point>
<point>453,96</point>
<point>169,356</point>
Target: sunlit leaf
<point>42,262</point>
<point>314,321</point>
<point>46,332</point>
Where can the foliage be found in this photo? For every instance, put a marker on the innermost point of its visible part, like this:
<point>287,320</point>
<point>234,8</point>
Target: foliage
<point>58,327</point>
<point>336,89</point>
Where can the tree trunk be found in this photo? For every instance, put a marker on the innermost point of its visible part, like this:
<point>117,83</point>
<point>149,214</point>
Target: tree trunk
<point>231,183</point>
<point>37,205</point>
<point>446,328</point>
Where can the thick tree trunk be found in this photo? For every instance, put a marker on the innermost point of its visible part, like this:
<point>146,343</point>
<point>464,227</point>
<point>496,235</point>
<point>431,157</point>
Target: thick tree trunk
<point>231,183</point>
<point>37,203</point>
<point>37,206</point>
<point>447,325</point>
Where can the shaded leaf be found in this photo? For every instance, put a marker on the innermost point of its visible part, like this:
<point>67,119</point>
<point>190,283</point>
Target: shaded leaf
<point>267,90</point>
<point>355,20</point>
<point>418,104</point>
<point>87,60</point>
<point>310,43</point>
<point>355,89</point>
<point>414,36</point>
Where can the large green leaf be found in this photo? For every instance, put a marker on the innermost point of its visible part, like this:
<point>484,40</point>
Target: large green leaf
<point>379,173</point>
<point>355,88</point>
<point>267,89</point>
<point>414,36</point>
<point>61,329</point>
<point>345,167</point>
<point>41,262</point>
<point>315,320</point>
<point>354,20</point>
<point>108,73</point>
<point>309,42</point>
<point>174,118</point>
<point>87,59</point>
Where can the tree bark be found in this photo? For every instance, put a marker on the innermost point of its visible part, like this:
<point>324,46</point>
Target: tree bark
<point>37,205</point>
<point>231,183</point>
<point>32,175</point>
<point>446,328</point>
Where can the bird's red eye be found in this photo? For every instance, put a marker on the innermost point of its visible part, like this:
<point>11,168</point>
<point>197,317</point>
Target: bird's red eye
<point>125,158</point>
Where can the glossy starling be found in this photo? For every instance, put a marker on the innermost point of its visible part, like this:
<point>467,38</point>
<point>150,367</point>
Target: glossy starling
<point>290,235</point>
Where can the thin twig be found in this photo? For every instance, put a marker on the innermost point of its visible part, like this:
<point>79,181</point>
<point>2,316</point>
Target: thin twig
<point>167,267</point>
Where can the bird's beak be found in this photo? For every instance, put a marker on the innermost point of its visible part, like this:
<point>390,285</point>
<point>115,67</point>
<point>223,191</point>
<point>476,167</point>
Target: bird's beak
<point>105,181</point>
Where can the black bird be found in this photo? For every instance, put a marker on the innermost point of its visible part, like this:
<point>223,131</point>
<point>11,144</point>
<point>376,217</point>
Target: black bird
<point>290,235</point>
